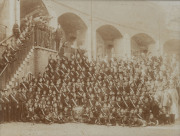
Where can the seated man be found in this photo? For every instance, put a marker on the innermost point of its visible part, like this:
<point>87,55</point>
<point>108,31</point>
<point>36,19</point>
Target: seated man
<point>152,121</point>
<point>67,114</point>
<point>164,117</point>
<point>137,122</point>
<point>112,117</point>
<point>120,116</point>
<point>104,114</point>
<point>85,114</point>
<point>141,115</point>
<point>37,113</point>
<point>61,118</point>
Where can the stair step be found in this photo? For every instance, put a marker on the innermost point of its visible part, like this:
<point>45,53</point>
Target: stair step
<point>20,68</point>
<point>29,54</point>
<point>24,62</point>
<point>13,79</point>
<point>10,83</point>
<point>7,87</point>
<point>16,83</point>
<point>31,50</point>
<point>17,73</point>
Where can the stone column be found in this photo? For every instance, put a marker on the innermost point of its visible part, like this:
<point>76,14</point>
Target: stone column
<point>88,43</point>
<point>118,47</point>
<point>161,48</point>
<point>93,45</point>
<point>12,14</point>
<point>17,19</point>
<point>155,48</point>
<point>127,45</point>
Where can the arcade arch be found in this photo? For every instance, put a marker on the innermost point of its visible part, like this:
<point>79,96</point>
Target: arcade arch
<point>171,47</point>
<point>106,41</point>
<point>74,28</point>
<point>141,43</point>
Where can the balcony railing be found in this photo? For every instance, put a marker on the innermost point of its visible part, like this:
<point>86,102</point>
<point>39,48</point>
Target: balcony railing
<point>44,38</point>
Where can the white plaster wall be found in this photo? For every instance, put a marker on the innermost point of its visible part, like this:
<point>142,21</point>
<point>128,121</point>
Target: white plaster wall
<point>10,13</point>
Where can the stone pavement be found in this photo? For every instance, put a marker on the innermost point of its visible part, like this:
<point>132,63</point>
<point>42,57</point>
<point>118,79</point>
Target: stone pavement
<point>80,129</point>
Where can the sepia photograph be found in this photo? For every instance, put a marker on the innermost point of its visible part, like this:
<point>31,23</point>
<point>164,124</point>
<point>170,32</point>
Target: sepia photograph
<point>89,67</point>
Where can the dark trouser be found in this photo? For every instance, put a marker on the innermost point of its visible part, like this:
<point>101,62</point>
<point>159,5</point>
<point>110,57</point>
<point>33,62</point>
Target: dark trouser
<point>13,112</point>
<point>9,112</point>
<point>85,118</point>
<point>57,45</point>
<point>172,118</point>
<point>5,117</point>
<point>61,121</point>
<point>125,122</point>
<point>113,121</point>
<point>92,120</point>
<point>1,115</point>
<point>18,113</point>
<point>119,120</point>
<point>164,119</point>
<point>23,111</point>
<point>103,120</point>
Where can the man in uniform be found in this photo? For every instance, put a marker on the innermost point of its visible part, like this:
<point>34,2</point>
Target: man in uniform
<point>85,114</point>
<point>2,104</point>
<point>24,84</point>
<point>7,106</point>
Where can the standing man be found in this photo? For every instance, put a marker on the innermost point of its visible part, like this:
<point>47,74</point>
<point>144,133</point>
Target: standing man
<point>16,30</point>
<point>7,106</point>
<point>14,105</point>
<point>58,36</point>
<point>2,103</point>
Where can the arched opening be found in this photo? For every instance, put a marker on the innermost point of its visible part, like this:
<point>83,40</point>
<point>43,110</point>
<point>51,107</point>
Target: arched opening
<point>172,47</point>
<point>106,41</point>
<point>141,43</point>
<point>74,29</point>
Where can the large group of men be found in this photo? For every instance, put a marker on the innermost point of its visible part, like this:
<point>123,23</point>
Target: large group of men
<point>138,91</point>
<point>128,92</point>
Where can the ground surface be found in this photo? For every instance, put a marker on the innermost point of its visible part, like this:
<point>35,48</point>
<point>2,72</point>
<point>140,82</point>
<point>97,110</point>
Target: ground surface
<point>80,129</point>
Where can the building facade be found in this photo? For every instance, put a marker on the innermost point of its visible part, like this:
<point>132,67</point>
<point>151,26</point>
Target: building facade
<point>102,30</point>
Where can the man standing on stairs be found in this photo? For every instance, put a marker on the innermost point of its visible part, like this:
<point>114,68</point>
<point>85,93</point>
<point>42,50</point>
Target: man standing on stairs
<point>58,36</point>
<point>16,30</point>
<point>24,84</point>
<point>7,106</point>
<point>2,103</point>
<point>14,105</point>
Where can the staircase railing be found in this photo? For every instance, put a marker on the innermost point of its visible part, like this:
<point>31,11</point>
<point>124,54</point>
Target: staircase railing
<point>38,37</point>
<point>12,67</point>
